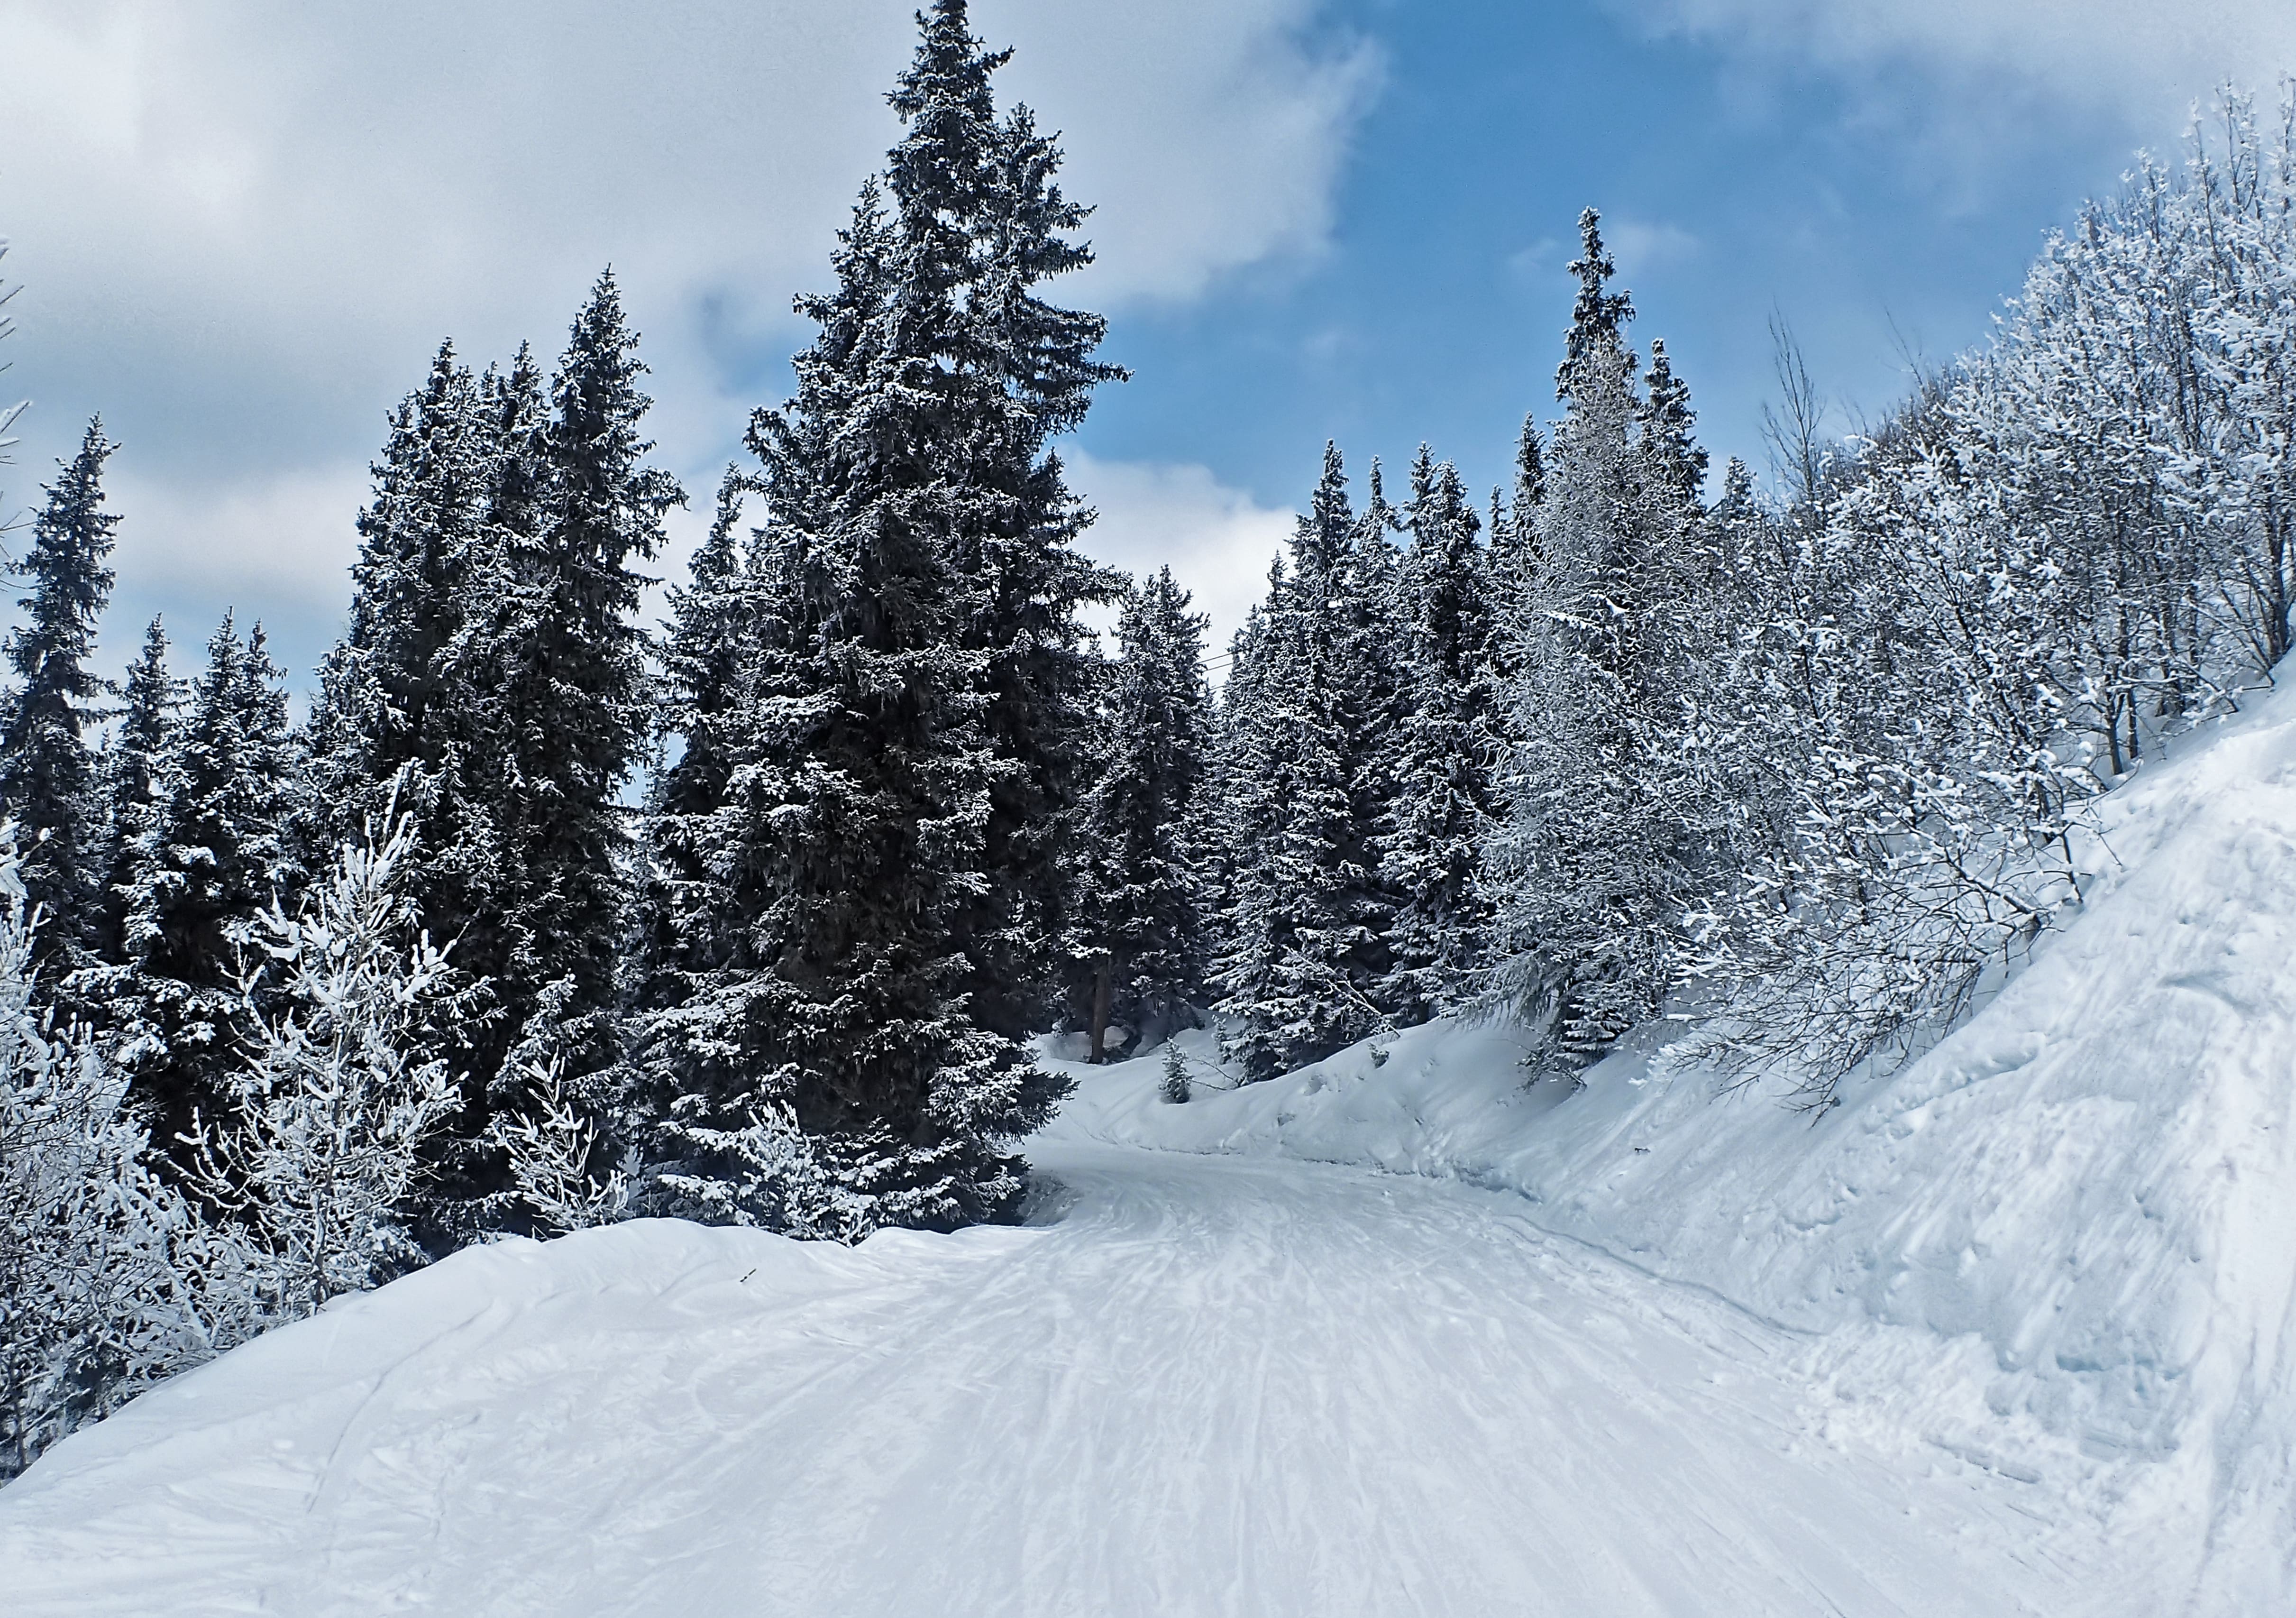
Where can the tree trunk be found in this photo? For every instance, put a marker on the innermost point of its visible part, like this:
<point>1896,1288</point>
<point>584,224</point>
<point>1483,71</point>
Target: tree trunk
<point>1103,985</point>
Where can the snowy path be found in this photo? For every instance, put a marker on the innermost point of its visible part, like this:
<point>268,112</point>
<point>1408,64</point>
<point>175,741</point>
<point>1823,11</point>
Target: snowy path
<point>1210,1385</point>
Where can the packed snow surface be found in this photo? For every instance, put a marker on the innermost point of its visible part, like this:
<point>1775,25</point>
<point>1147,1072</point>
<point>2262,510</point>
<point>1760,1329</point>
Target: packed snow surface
<point>2008,1332</point>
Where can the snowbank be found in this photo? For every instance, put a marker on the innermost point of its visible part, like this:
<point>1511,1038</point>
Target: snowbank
<point>2089,1190</point>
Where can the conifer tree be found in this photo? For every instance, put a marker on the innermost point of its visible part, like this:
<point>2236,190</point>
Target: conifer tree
<point>1435,822</point>
<point>1676,462</point>
<point>705,657</point>
<point>494,656</point>
<point>405,719</point>
<point>132,774</point>
<point>1305,917</point>
<point>1140,932</point>
<point>391,692</point>
<point>887,865</point>
<point>107,1283</point>
<point>47,777</point>
<point>213,858</point>
<point>983,224</point>
<point>574,698</point>
<point>1594,861</point>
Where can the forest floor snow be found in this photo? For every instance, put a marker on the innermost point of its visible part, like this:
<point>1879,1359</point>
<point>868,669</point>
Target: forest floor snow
<point>2012,1331</point>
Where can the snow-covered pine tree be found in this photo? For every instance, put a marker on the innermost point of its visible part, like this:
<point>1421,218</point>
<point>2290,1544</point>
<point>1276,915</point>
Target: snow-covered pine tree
<point>494,655</point>
<point>983,224</point>
<point>319,1159</point>
<point>711,1101</point>
<point>1303,915</point>
<point>690,1027</point>
<point>1438,942</point>
<point>1139,930</point>
<point>1591,863</point>
<point>888,854</point>
<point>107,1283</point>
<point>398,689</point>
<point>48,774</point>
<point>131,770</point>
<point>1514,541</point>
<point>1238,800</point>
<point>706,656</point>
<point>573,699</point>
<point>213,856</point>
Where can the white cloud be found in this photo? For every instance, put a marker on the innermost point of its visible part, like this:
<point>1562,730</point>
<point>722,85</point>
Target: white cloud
<point>241,227</point>
<point>1218,541</point>
<point>274,548</point>
<point>1643,246</point>
<point>301,198</point>
<point>269,544</point>
<point>2145,59</point>
<point>1210,134</point>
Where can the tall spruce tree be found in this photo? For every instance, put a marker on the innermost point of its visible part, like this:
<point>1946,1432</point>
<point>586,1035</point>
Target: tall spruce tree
<point>1305,917</point>
<point>573,697</point>
<point>1139,930</point>
<point>133,768</point>
<point>493,658</point>
<point>886,868</point>
<point>214,856</point>
<point>47,776</point>
<point>983,224</point>
<point>705,657</point>
<point>1593,861</point>
<point>1436,820</point>
<point>403,722</point>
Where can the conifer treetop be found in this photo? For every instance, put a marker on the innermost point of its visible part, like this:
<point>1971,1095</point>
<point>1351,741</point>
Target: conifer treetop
<point>1598,317</point>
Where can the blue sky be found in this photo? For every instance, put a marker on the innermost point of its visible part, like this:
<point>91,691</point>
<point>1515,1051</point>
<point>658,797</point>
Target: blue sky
<point>240,226</point>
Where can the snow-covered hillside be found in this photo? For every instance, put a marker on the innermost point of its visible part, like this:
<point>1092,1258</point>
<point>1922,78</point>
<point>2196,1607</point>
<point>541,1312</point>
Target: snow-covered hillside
<point>2010,1332</point>
<point>2087,1196</point>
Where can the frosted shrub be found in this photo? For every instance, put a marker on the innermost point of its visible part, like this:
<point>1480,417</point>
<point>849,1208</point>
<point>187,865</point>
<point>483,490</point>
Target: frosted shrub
<point>765,1173</point>
<point>336,1106</point>
<point>550,1146</point>
<point>107,1282</point>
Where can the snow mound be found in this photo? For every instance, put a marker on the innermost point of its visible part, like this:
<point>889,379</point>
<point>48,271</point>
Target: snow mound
<point>2088,1190</point>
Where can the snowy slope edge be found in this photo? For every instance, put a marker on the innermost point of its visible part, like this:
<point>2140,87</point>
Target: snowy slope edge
<point>2094,1178</point>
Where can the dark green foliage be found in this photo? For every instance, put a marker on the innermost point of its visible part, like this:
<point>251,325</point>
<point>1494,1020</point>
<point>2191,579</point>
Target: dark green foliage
<point>1139,935</point>
<point>495,657</point>
<point>868,856</point>
<point>574,700</point>
<point>1438,942</point>
<point>1306,733</point>
<point>1174,1086</point>
<point>1598,861</point>
<point>47,773</point>
<point>212,856</point>
<point>133,772</point>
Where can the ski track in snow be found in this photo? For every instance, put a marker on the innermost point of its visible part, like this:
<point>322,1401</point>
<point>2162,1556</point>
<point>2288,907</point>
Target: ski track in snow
<point>1208,1385</point>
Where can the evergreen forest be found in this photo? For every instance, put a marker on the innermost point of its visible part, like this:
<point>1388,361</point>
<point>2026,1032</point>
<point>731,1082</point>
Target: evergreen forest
<point>543,914</point>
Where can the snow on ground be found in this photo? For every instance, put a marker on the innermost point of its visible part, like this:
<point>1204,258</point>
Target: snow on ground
<point>1211,1386</point>
<point>2063,1242</point>
<point>2008,1333</point>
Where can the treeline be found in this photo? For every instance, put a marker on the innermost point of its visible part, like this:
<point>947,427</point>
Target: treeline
<point>1806,767</point>
<point>290,1008</point>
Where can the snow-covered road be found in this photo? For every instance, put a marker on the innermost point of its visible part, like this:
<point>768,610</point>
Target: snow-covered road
<point>1201,1385</point>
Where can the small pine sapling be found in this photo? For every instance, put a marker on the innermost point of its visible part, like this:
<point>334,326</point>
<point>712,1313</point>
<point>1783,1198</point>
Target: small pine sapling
<point>550,1144</point>
<point>1174,1087</point>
